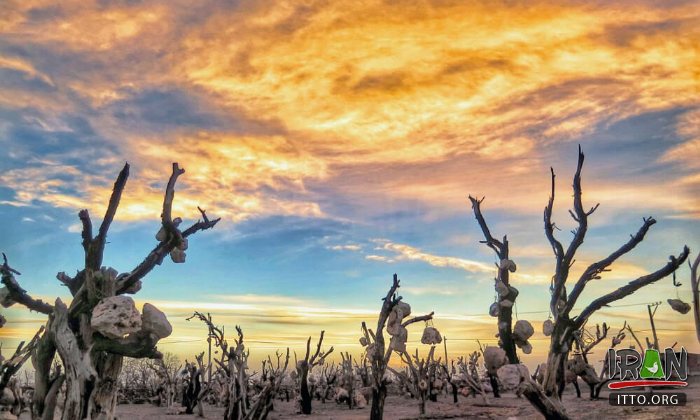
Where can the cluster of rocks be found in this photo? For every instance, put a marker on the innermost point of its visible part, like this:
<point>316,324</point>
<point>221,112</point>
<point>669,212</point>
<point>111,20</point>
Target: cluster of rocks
<point>398,333</point>
<point>116,317</point>
<point>506,293</point>
<point>178,254</point>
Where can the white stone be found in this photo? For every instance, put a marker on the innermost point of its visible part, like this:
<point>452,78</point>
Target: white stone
<point>506,303</point>
<point>161,235</point>
<point>501,288</point>
<point>522,330</point>
<point>155,321</point>
<point>494,358</point>
<point>393,323</point>
<point>431,336</point>
<point>404,307</point>
<point>509,265</point>
<point>177,255</point>
<point>679,306</point>
<point>115,317</point>
<point>360,401</point>
<point>398,341</point>
<point>547,327</point>
<point>512,375</point>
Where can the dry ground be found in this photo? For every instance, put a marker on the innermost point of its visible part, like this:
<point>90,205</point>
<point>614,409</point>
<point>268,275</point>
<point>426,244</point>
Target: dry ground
<point>503,408</point>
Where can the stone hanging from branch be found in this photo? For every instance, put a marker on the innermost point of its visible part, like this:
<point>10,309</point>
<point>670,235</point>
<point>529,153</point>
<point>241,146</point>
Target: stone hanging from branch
<point>431,336</point>
<point>508,265</point>
<point>679,306</point>
<point>547,327</point>
<point>522,331</point>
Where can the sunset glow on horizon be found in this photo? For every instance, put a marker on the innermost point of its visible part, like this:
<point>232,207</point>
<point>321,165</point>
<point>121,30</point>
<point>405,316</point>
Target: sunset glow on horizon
<point>338,142</point>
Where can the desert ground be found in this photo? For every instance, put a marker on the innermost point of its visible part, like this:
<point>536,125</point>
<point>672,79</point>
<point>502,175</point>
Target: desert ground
<point>506,407</point>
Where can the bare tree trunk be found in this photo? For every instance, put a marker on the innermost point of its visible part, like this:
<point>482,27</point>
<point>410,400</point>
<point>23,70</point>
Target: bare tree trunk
<point>551,408</point>
<point>653,326</point>
<point>305,394</point>
<point>505,312</point>
<point>103,400</point>
<point>378,397</point>
<point>41,360</point>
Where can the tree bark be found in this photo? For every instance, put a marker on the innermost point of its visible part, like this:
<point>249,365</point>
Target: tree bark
<point>378,397</point>
<point>305,394</point>
<point>551,408</point>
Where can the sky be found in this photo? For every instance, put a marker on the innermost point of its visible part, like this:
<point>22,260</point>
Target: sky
<point>338,142</point>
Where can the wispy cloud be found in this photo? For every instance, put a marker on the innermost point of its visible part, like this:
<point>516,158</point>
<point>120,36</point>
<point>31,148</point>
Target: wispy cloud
<point>402,252</point>
<point>348,247</point>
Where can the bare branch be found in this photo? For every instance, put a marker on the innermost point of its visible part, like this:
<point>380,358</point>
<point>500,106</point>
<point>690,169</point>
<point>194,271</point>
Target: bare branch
<point>14,364</point>
<point>323,355</point>
<point>84,217</point>
<point>19,295</point>
<point>596,268</point>
<point>632,287</point>
<point>156,256</point>
<point>581,214</point>
<point>95,251</point>
<point>491,242</point>
<point>558,282</point>
<point>389,302</point>
<point>136,345</point>
<point>418,319</point>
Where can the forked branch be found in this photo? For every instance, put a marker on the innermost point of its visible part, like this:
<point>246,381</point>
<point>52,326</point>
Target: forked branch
<point>632,287</point>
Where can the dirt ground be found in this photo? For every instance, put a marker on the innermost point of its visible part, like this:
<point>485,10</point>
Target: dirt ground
<point>509,406</point>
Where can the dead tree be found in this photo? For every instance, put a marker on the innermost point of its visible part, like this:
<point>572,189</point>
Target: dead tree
<point>348,378</point>
<point>561,304</point>
<point>578,366</point>
<point>328,379</point>
<point>166,370</point>
<point>393,312</point>
<point>192,389</point>
<point>469,374</point>
<point>83,333</point>
<point>421,373</point>
<point>304,368</point>
<point>605,375</point>
<point>274,376</point>
<point>9,367</point>
<point>452,379</point>
<point>503,308</point>
<point>10,390</point>
<point>233,364</point>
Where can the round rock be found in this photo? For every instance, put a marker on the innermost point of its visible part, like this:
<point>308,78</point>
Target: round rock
<point>155,321</point>
<point>115,317</point>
